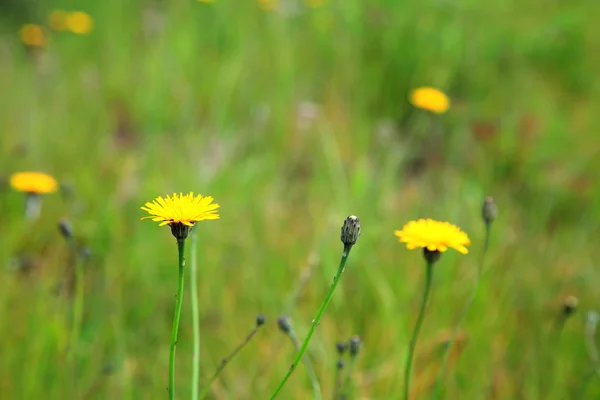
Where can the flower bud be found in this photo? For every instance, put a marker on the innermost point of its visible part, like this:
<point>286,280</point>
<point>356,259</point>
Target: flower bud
<point>489,211</point>
<point>284,325</point>
<point>354,346</point>
<point>350,231</point>
<point>260,320</point>
<point>341,348</point>
<point>65,229</point>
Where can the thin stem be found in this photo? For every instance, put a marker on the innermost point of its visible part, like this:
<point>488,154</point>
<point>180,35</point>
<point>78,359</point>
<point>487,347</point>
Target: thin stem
<point>309,368</point>
<point>77,306</point>
<point>590,334</point>
<point>176,317</point>
<point>315,322</point>
<point>337,388</point>
<point>225,361</point>
<point>464,312</point>
<point>415,335</point>
<point>195,317</point>
<point>346,383</point>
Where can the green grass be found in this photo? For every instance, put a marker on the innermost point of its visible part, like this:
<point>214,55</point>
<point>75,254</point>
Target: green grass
<point>187,96</point>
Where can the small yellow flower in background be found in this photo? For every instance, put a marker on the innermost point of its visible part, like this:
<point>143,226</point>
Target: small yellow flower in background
<point>58,20</point>
<point>433,235</point>
<point>430,99</point>
<point>33,182</point>
<point>32,35</point>
<point>80,23</point>
<point>181,212</point>
<point>267,5</point>
<point>315,3</point>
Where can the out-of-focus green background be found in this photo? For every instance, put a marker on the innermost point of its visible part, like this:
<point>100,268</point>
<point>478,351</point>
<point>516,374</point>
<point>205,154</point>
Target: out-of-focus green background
<point>293,116</point>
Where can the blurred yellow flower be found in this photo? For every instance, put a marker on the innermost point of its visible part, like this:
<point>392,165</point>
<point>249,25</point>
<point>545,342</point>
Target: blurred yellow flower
<point>430,99</point>
<point>80,23</point>
<point>32,35</point>
<point>33,182</point>
<point>315,3</point>
<point>183,209</point>
<point>267,5</point>
<point>58,20</point>
<point>433,235</point>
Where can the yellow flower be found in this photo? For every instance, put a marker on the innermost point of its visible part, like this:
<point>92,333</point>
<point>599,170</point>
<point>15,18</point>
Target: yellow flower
<point>430,99</point>
<point>181,212</point>
<point>58,20</point>
<point>433,235</point>
<point>80,23</point>
<point>183,209</point>
<point>32,35</point>
<point>33,182</point>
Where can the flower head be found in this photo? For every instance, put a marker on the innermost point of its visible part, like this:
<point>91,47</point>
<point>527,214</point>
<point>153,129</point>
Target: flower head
<point>430,99</point>
<point>79,22</point>
<point>433,236</point>
<point>33,182</point>
<point>32,35</point>
<point>350,231</point>
<point>181,211</point>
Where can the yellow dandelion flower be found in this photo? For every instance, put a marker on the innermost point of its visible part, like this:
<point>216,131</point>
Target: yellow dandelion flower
<point>33,182</point>
<point>32,35</point>
<point>181,212</point>
<point>430,99</point>
<point>80,23</point>
<point>433,235</point>
<point>58,20</point>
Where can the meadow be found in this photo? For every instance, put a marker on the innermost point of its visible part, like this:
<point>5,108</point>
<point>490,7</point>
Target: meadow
<point>294,115</point>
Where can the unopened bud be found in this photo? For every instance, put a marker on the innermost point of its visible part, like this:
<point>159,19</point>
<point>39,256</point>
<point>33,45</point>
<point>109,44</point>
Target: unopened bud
<point>341,347</point>
<point>260,320</point>
<point>489,211</point>
<point>350,231</point>
<point>340,364</point>
<point>354,346</point>
<point>65,229</point>
<point>284,325</point>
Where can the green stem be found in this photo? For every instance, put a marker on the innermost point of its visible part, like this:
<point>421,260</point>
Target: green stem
<point>309,369</point>
<point>415,335</point>
<point>195,318</point>
<point>176,317</point>
<point>77,308</point>
<point>315,321</point>
<point>463,314</point>
<point>345,385</point>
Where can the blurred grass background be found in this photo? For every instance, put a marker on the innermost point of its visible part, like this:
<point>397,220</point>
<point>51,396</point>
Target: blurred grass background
<point>294,115</point>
